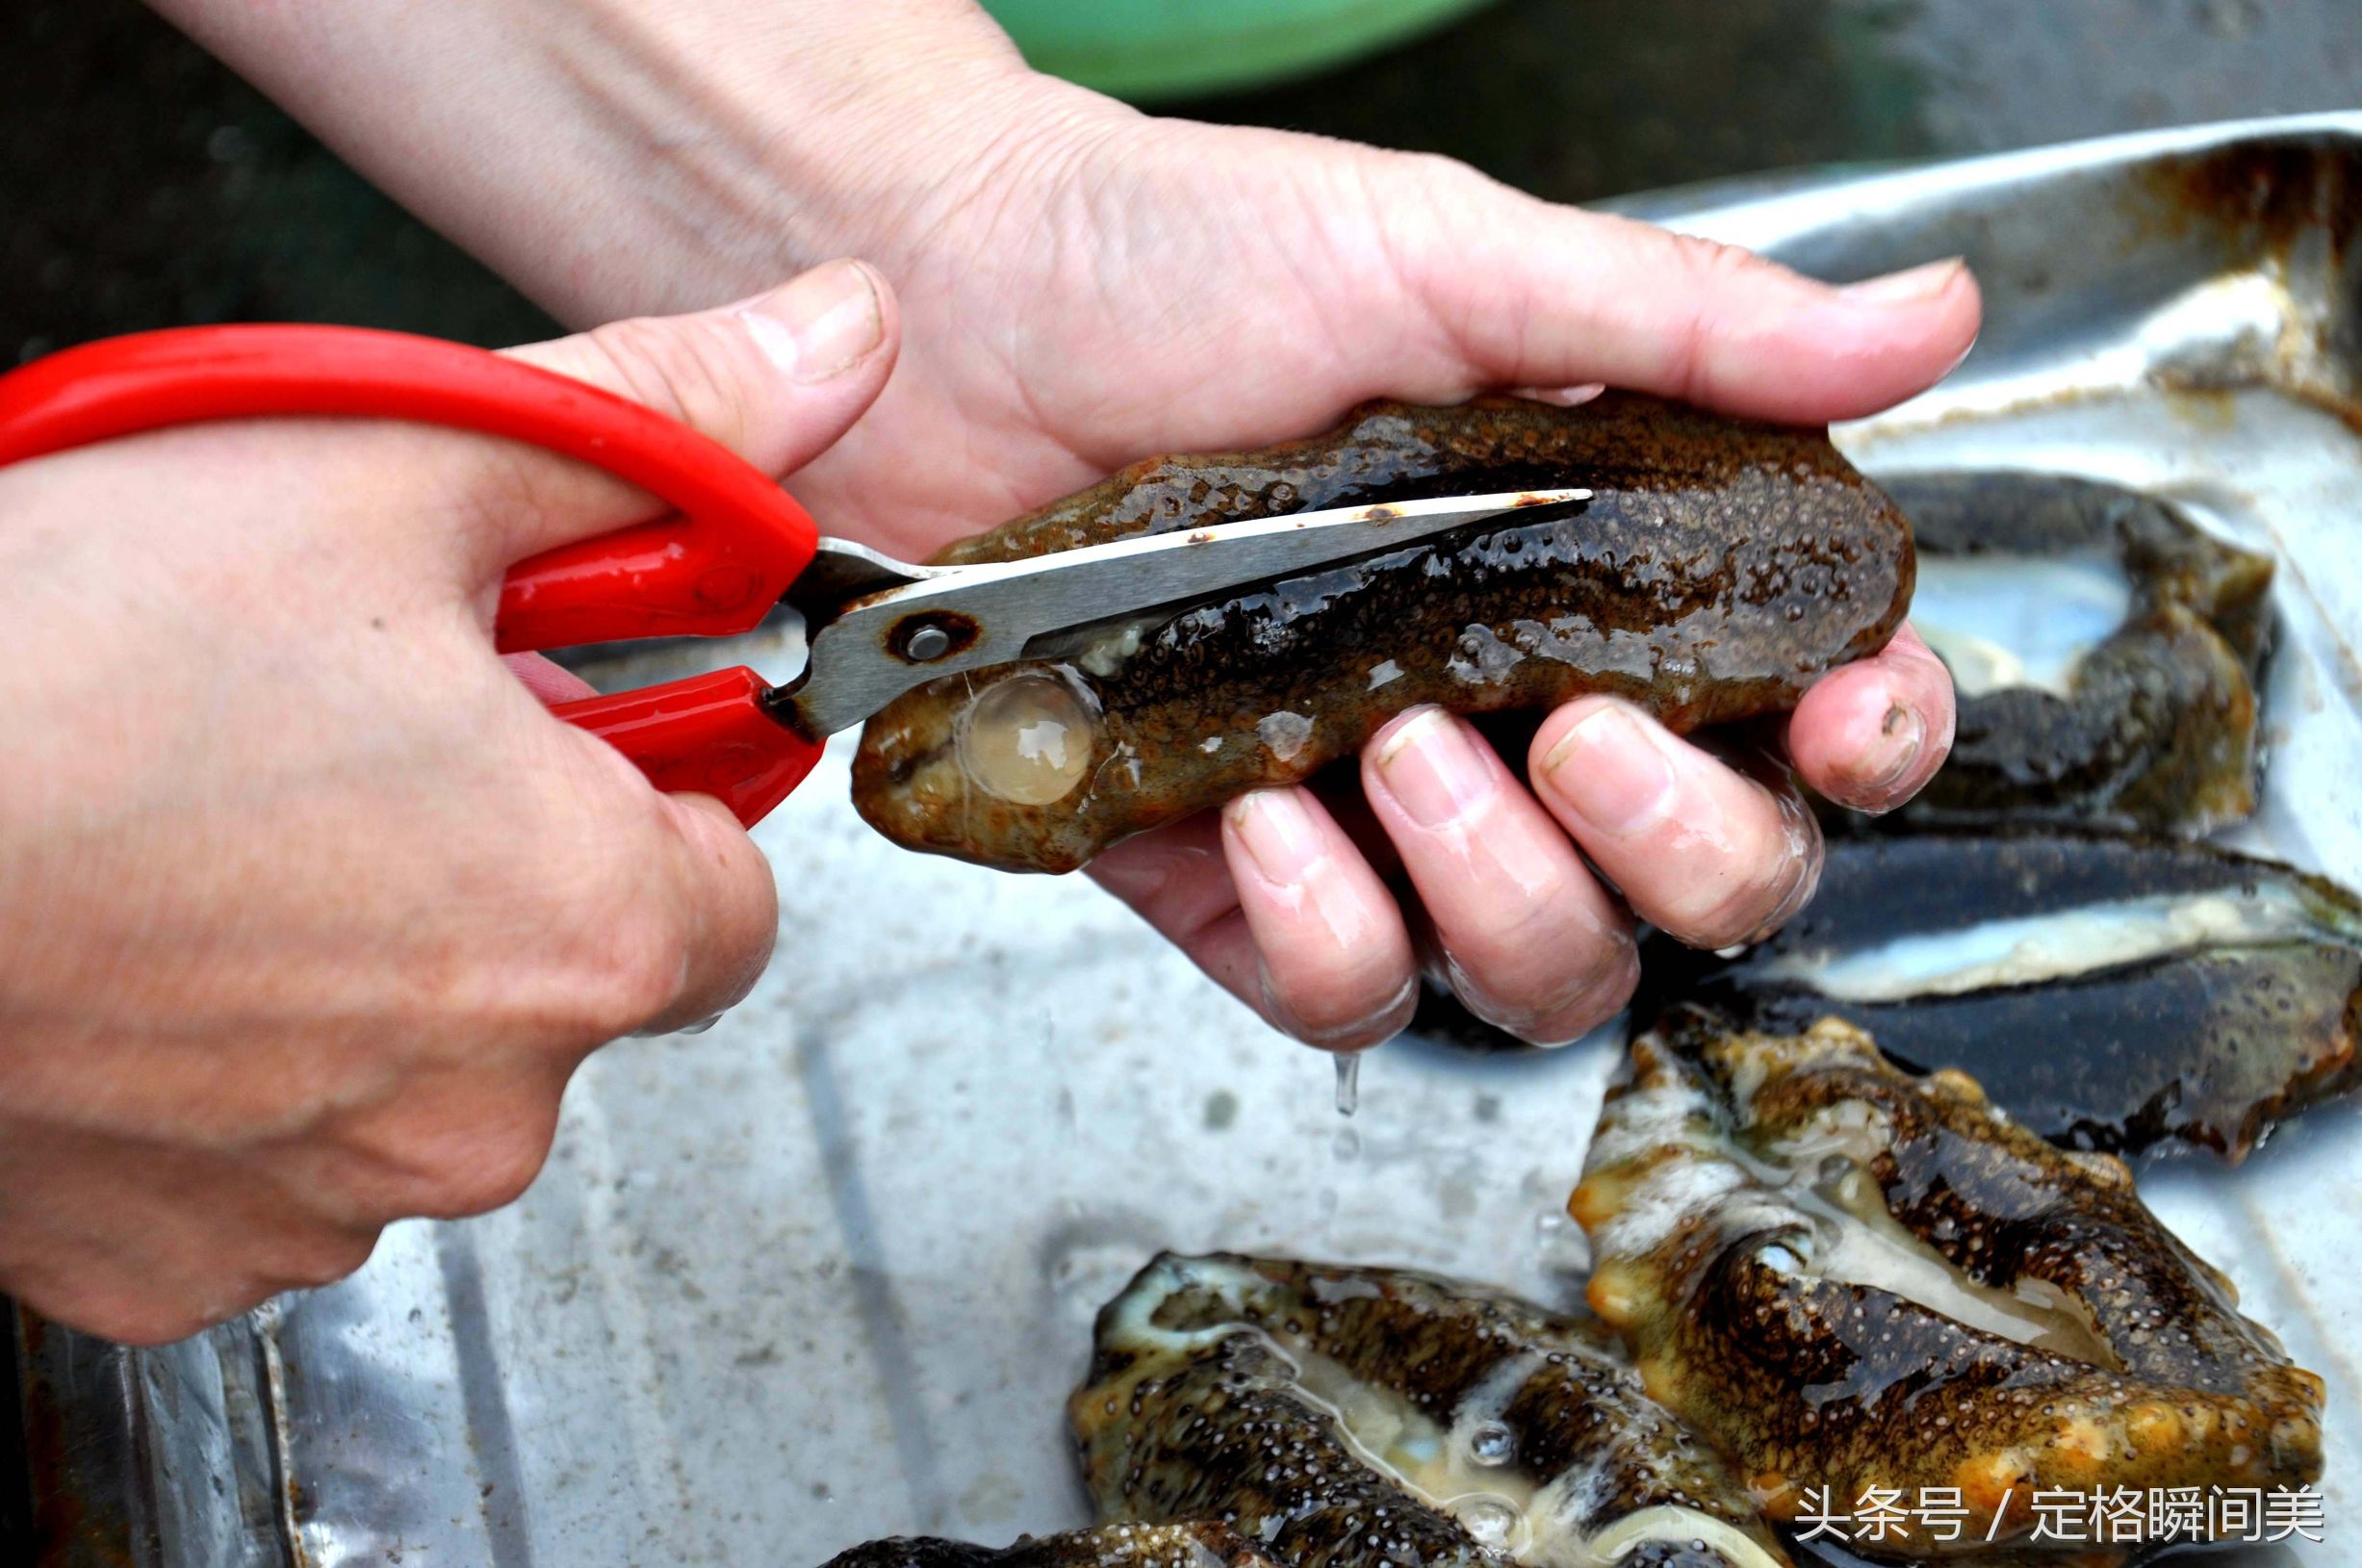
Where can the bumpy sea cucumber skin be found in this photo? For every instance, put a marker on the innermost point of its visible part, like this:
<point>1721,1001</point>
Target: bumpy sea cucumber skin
<point>1192,1544</point>
<point>2158,731</point>
<point>2208,1048</point>
<point>1806,1381</point>
<point>1194,1408</point>
<point>1721,567</point>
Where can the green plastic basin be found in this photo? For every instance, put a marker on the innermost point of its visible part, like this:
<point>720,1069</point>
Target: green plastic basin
<point>1168,48</point>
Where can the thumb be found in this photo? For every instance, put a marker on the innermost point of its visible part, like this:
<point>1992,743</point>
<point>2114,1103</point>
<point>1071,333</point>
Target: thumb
<point>777,378</point>
<point>1525,293</point>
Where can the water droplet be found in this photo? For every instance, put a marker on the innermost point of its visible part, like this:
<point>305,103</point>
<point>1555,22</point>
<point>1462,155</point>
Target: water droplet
<point>1492,1519</point>
<point>1349,1082</point>
<point>1346,1145</point>
<point>1563,1246</point>
<point>1492,1442</point>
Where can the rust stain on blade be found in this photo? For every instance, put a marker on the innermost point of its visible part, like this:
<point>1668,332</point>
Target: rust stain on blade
<point>2274,192</point>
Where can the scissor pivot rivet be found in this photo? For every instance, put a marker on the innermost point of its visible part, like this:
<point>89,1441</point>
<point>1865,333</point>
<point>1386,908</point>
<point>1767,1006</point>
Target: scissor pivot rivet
<point>926,635</point>
<point>928,642</point>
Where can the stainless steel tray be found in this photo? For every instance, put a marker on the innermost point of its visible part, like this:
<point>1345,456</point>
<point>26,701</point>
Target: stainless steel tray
<point>827,1272</point>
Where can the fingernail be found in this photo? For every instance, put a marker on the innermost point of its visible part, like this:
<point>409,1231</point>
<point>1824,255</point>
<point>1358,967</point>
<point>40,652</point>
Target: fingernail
<point>1278,834</point>
<point>1908,286</point>
<point>1900,735</point>
<point>1960,358</point>
<point>1562,397</point>
<point>1611,772</point>
<point>1432,765</point>
<point>820,324</point>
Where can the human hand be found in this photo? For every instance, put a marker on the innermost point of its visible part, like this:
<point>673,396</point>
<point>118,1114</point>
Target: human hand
<point>1086,285</point>
<point>308,909</point>
<point>1220,288</point>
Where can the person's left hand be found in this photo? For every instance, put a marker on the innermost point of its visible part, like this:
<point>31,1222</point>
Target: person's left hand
<point>1153,286</point>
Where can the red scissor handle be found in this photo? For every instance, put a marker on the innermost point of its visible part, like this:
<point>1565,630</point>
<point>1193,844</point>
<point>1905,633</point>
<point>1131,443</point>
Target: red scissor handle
<point>716,568</point>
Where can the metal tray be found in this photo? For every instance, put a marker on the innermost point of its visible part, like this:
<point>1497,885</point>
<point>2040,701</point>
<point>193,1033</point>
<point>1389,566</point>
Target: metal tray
<point>827,1272</point>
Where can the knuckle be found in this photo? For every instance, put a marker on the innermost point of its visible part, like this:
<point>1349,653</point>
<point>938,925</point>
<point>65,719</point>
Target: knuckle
<point>1529,924</point>
<point>443,1172</point>
<point>1435,171</point>
<point>677,367</point>
<point>1786,863</point>
<point>642,973</point>
<point>323,1256</point>
<point>488,1174</point>
<point>1556,1002</point>
<point>149,1327</point>
<point>495,1175</point>
<point>1705,269</point>
<point>1706,263</point>
<point>740,902</point>
<point>1455,197</point>
<point>504,480</point>
<point>128,1316</point>
<point>614,951</point>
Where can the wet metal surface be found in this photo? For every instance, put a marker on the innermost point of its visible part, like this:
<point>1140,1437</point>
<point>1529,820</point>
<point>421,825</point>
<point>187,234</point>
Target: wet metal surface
<point>828,1270</point>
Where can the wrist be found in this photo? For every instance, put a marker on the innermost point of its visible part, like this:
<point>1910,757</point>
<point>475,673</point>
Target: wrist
<point>916,167</point>
<point>618,157</point>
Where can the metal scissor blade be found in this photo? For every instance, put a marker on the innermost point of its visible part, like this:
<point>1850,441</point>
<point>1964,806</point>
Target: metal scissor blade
<point>968,617</point>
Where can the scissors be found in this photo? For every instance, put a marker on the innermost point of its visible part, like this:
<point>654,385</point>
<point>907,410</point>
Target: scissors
<point>735,546</point>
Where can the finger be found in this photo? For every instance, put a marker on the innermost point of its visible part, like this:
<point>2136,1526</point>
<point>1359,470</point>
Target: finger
<point>129,1296</point>
<point>1337,965</point>
<point>776,378</point>
<point>1177,880</point>
<point>1180,881</point>
<point>1525,293</point>
<point>1700,850</point>
<point>1871,735</point>
<point>1531,941</point>
<point>148,1245</point>
<point>726,902</point>
<point>457,1140</point>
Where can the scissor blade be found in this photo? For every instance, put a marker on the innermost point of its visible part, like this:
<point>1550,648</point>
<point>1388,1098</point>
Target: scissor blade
<point>969,617</point>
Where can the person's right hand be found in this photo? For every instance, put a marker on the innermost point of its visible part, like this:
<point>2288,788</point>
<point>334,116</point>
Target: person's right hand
<point>307,909</point>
